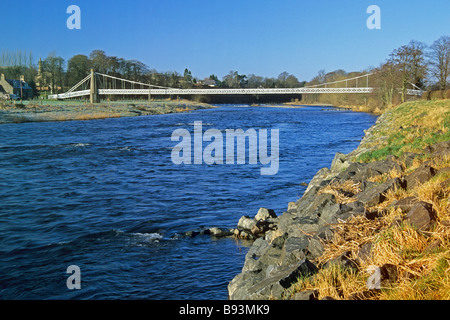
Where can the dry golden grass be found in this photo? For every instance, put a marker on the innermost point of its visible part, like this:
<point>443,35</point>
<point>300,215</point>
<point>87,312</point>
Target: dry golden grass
<point>343,191</point>
<point>391,174</point>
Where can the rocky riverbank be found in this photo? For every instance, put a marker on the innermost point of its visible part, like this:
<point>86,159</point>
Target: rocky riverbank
<point>338,229</point>
<point>34,112</point>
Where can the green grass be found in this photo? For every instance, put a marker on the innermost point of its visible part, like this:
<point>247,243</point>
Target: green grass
<point>414,126</point>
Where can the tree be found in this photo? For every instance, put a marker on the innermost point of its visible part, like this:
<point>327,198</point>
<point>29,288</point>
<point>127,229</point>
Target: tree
<point>53,72</point>
<point>235,80</point>
<point>439,61</point>
<point>410,61</point>
<point>255,81</point>
<point>187,78</point>
<point>77,69</point>
<point>282,79</point>
<point>286,80</point>
<point>99,61</point>
<point>292,82</point>
<point>387,79</point>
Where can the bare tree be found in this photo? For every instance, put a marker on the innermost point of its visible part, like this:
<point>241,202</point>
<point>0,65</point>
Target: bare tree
<point>439,60</point>
<point>387,78</point>
<point>410,61</point>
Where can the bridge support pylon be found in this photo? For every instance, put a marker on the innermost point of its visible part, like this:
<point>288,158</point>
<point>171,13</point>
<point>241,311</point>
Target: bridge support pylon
<point>94,90</point>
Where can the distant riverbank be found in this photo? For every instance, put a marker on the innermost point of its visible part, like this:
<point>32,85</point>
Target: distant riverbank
<point>67,111</point>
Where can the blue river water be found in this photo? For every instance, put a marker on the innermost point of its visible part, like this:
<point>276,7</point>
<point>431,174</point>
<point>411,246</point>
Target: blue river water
<point>104,195</point>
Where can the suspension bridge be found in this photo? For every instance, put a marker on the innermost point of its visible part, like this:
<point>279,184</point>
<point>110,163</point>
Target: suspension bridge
<point>97,84</point>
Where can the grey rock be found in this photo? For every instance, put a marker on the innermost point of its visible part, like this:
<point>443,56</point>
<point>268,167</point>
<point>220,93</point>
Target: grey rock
<point>315,248</point>
<point>376,195</point>
<point>238,287</point>
<point>405,204</point>
<point>352,170</point>
<point>320,177</point>
<point>271,270</point>
<point>292,206</point>
<point>282,280</point>
<point>246,223</point>
<point>339,162</point>
<point>422,216</point>
<point>293,250</point>
<point>419,176</point>
<point>219,232</point>
<point>329,213</point>
<point>440,148</point>
<point>264,214</point>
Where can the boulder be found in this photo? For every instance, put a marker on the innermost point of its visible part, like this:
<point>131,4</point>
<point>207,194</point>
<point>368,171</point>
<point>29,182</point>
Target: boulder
<point>253,261</point>
<point>294,250</point>
<point>353,169</point>
<point>320,179</point>
<point>339,162</point>
<point>365,252</point>
<point>376,168</point>
<point>440,148</point>
<point>422,216</point>
<point>405,204</point>
<point>376,195</point>
<point>292,206</point>
<point>219,232</point>
<point>239,286</point>
<point>315,248</point>
<point>246,223</point>
<point>265,214</point>
<point>281,280</point>
<point>419,176</point>
<point>261,227</point>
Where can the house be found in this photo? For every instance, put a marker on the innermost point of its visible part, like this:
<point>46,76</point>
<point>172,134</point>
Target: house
<point>209,82</point>
<point>18,88</point>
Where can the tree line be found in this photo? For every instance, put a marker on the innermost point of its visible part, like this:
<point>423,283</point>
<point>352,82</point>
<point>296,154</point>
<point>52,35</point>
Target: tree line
<point>414,65</point>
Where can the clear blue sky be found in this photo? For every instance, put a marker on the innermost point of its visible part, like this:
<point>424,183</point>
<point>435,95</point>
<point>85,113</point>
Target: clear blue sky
<point>264,37</point>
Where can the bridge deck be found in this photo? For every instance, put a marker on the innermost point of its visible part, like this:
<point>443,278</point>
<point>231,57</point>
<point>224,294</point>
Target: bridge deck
<point>174,92</point>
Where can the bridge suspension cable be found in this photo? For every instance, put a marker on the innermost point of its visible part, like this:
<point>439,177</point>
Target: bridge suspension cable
<point>344,80</point>
<point>134,82</point>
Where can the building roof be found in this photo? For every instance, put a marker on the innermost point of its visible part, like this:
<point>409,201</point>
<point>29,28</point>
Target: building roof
<point>17,84</point>
<point>209,82</point>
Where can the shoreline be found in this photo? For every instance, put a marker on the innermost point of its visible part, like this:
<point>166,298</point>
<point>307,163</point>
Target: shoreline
<point>57,111</point>
<point>323,245</point>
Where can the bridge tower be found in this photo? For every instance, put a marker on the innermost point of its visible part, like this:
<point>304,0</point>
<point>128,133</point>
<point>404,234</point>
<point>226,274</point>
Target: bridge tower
<point>94,90</point>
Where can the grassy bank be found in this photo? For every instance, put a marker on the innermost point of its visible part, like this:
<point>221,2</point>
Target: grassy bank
<point>421,258</point>
<point>409,127</point>
<point>74,110</point>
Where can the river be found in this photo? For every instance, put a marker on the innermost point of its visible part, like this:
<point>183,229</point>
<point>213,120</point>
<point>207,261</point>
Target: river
<point>105,195</point>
